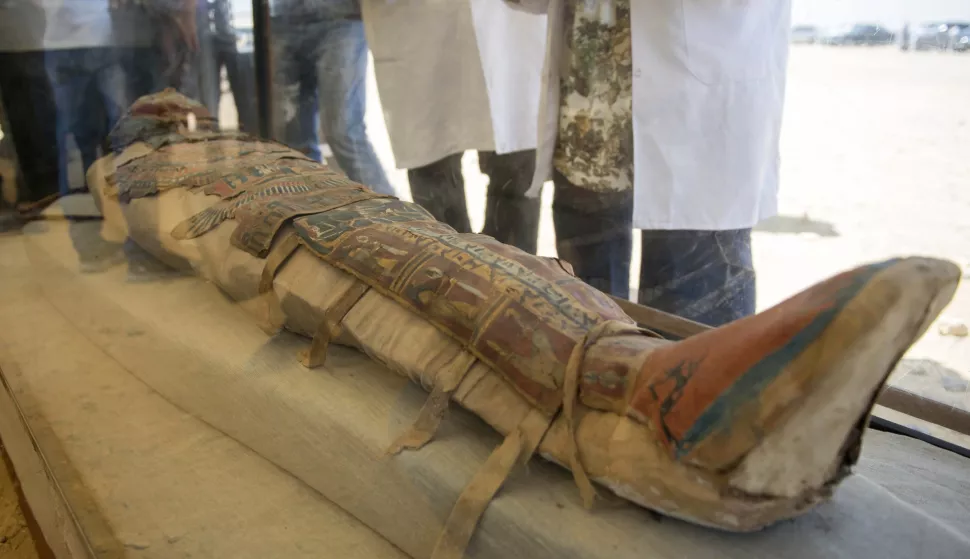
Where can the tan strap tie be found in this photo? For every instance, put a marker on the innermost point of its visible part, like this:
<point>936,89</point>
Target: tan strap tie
<point>571,393</point>
<point>429,418</point>
<point>330,326</point>
<point>425,426</point>
<point>517,448</point>
<point>274,309</point>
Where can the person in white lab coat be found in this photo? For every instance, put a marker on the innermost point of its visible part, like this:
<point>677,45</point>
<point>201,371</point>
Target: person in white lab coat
<point>676,104</point>
<point>456,76</point>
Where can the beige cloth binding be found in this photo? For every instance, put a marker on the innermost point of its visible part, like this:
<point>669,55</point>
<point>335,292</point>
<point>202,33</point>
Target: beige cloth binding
<point>329,327</point>
<point>571,394</point>
<point>517,448</point>
<point>432,412</point>
<point>274,311</point>
<point>425,426</point>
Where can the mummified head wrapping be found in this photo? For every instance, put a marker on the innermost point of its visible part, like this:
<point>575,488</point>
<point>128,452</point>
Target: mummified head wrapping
<point>154,116</point>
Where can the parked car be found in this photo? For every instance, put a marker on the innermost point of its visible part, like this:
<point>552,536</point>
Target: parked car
<point>805,34</point>
<point>961,43</point>
<point>939,35</point>
<point>858,34</point>
<point>955,32</point>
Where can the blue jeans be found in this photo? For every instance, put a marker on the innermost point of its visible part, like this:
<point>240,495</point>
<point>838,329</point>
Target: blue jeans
<point>91,92</point>
<point>705,276</point>
<point>321,64</point>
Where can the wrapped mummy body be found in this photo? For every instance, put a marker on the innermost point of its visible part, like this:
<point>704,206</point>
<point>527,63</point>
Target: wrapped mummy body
<point>734,428</point>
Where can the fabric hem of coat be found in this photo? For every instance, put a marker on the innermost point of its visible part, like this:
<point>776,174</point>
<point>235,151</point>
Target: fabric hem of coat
<point>548,124</point>
<point>418,162</point>
<point>665,226</point>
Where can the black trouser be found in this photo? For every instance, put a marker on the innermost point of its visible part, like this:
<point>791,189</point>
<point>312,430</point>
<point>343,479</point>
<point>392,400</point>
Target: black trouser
<point>510,217</point>
<point>31,112</point>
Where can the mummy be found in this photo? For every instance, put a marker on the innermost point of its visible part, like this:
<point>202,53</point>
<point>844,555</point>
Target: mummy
<point>736,428</point>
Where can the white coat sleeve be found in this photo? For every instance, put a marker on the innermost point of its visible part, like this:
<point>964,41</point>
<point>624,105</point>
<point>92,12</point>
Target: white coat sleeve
<point>530,6</point>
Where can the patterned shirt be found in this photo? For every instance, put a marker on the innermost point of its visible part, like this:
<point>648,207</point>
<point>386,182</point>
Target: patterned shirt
<point>594,148</point>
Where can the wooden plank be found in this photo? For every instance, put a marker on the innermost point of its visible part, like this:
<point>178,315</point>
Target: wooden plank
<point>668,325</point>
<point>926,409</point>
<point>53,513</point>
<point>74,206</point>
<point>34,450</point>
<point>113,469</point>
<point>330,427</point>
<point>20,535</point>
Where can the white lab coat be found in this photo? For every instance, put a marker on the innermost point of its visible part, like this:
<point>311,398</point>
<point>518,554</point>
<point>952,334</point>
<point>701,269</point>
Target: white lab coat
<point>708,90</point>
<point>455,75</point>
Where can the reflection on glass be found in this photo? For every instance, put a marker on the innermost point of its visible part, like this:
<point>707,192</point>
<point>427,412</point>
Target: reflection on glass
<point>78,64</point>
<point>872,166</point>
<point>320,71</point>
<point>29,109</point>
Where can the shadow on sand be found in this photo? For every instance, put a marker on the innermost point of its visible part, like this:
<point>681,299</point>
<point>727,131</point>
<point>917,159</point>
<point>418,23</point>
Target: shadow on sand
<point>794,225</point>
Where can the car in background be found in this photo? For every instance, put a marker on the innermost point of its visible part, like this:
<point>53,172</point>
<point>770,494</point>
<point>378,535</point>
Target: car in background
<point>938,35</point>
<point>804,34</point>
<point>955,32</point>
<point>858,34</point>
<point>961,42</point>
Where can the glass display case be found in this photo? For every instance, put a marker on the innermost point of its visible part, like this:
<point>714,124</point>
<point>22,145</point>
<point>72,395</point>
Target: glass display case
<point>483,278</point>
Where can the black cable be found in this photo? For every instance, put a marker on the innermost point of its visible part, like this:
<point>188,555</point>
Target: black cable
<point>881,424</point>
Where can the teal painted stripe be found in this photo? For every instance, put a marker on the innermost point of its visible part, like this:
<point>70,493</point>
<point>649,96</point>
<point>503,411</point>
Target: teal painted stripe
<point>751,384</point>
